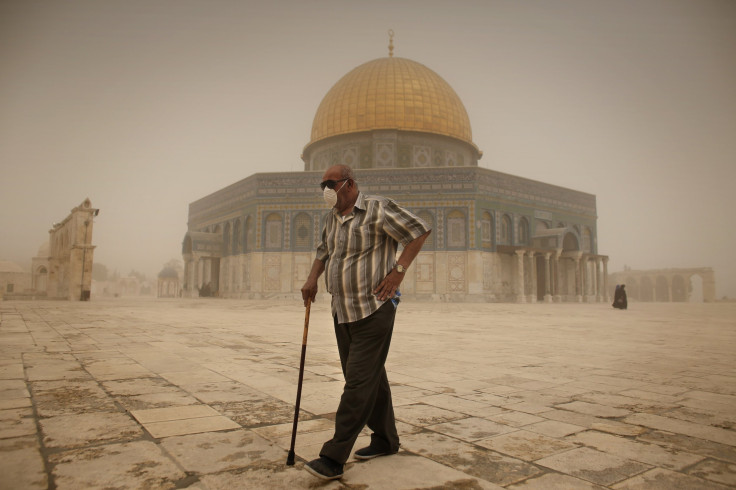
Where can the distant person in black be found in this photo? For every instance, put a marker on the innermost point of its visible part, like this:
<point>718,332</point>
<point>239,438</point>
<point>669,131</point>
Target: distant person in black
<point>619,297</point>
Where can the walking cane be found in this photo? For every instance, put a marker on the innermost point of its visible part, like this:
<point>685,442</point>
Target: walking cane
<point>290,457</point>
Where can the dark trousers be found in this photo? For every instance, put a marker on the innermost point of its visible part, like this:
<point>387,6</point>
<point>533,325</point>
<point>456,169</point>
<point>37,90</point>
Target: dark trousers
<point>366,397</point>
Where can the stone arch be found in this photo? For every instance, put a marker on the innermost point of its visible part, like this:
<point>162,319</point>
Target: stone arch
<point>679,288</point>
<point>486,230</point>
<point>428,218</point>
<point>41,278</point>
<point>570,242</point>
<point>186,247</point>
<point>273,231</point>
<point>505,237</point>
<point>301,235</point>
<point>647,289</point>
<point>632,288</point>
<point>523,233</point>
<point>661,289</point>
<point>457,229</point>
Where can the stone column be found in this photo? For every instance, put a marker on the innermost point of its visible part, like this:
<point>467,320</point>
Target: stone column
<point>669,289</point>
<point>547,279</point>
<point>556,296</point>
<point>606,298</point>
<point>578,279</point>
<point>583,278</point>
<point>520,297</point>
<point>533,274</point>
<point>598,295</point>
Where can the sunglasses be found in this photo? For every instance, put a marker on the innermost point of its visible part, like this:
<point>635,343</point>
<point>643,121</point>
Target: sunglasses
<point>330,184</point>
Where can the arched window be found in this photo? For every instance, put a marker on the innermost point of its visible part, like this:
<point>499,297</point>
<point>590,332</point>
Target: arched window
<point>486,230</point>
<point>427,217</point>
<point>187,245</point>
<point>523,231</point>
<point>541,225</point>
<point>41,277</point>
<point>505,237</point>
<point>237,238</point>
<point>456,229</point>
<point>570,242</point>
<point>274,229</point>
<point>226,240</point>
<point>302,232</point>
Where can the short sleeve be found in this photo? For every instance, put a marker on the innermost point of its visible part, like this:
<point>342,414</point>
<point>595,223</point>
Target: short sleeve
<point>401,224</point>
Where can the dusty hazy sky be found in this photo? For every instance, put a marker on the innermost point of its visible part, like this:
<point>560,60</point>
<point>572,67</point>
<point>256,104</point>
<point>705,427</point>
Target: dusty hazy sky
<point>145,106</point>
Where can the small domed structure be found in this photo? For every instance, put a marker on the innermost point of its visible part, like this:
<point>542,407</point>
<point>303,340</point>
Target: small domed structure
<point>168,283</point>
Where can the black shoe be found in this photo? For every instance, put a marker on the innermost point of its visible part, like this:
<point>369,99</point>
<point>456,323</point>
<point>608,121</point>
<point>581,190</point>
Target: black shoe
<point>370,453</point>
<point>325,468</point>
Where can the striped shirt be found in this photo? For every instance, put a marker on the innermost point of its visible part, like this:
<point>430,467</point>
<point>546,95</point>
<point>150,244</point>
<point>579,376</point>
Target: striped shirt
<point>359,250</point>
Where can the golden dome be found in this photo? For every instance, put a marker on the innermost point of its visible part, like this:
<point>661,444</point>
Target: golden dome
<point>391,93</point>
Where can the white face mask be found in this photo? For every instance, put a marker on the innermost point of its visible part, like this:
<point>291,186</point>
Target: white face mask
<point>330,195</point>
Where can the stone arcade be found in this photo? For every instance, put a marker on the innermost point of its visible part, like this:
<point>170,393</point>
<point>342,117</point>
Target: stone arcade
<point>497,237</point>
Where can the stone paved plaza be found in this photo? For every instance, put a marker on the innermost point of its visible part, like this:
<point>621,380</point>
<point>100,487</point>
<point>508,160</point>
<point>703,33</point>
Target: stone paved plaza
<point>200,394</point>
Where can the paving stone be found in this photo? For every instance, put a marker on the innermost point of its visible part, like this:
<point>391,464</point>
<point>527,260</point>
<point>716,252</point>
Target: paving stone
<point>471,459</point>
<point>190,426</point>
<point>725,419</point>
<point>174,413</point>
<point>139,386</point>
<point>722,436</point>
<point>637,451</point>
<point>662,479</point>
<point>716,471</point>
<point>12,370</point>
<point>648,393</point>
<point>515,419</point>
<point>48,367</point>
<point>21,464</point>
<point>592,422</point>
<point>593,409</point>
<point>553,428</point>
<point>187,419</point>
<point>68,431</point>
<point>460,404</point>
<point>68,397</point>
<point>594,466</point>
<point>156,400</point>
<point>525,445</point>
<point>627,403</point>
<point>421,414</point>
<point>680,442</point>
<point>214,452</point>
<point>526,407</point>
<point>471,429</point>
<point>554,481</point>
<point>407,471</point>
<point>17,422</point>
<point>139,464</point>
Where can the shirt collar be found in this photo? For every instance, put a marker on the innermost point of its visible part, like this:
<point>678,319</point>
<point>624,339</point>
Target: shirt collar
<point>359,204</point>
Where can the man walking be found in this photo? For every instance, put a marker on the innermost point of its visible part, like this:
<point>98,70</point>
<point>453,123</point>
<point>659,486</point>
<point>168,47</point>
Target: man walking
<point>358,253</point>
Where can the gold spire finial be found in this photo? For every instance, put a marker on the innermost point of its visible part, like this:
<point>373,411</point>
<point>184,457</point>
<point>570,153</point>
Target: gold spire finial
<point>391,43</point>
